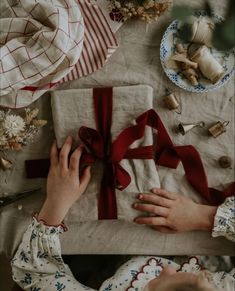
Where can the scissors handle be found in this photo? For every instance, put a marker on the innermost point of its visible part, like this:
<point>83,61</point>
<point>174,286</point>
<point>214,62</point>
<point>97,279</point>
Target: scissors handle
<point>6,200</point>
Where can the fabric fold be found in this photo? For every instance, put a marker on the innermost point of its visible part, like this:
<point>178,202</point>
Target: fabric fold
<point>48,43</point>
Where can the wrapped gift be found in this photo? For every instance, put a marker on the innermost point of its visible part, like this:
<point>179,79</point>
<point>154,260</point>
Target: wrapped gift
<point>75,109</point>
<point>117,127</point>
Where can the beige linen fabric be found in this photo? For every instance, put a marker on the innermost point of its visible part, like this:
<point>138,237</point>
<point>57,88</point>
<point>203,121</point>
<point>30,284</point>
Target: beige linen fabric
<point>40,42</point>
<point>136,61</point>
<point>72,109</point>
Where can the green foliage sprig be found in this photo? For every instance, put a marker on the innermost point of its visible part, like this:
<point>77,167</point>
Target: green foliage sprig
<point>224,33</point>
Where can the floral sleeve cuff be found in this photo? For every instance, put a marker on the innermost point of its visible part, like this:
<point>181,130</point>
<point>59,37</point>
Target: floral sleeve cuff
<point>224,222</point>
<point>43,228</point>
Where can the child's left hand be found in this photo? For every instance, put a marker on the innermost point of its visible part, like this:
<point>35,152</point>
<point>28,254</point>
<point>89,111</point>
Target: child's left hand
<point>171,213</point>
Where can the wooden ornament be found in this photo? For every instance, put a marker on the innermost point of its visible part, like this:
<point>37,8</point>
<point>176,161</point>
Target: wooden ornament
<point>225,162</point>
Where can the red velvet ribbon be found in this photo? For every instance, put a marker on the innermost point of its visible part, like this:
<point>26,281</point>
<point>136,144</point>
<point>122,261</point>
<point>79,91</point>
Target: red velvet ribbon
<point>99,144</point>
<point>169,155</point>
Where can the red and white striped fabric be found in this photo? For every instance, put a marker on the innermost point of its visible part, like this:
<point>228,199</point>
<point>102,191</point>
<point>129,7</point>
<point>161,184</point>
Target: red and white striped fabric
<point>99,43</point>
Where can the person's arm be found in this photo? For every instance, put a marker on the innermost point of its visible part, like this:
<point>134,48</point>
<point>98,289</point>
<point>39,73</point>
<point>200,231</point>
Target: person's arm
<point>171,213</point>
<point>37,264</point>
<point>224,222</point>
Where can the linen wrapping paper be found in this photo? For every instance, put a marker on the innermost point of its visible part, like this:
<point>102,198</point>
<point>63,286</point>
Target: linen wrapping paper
<point>74,108</point>
<point>45,43</point>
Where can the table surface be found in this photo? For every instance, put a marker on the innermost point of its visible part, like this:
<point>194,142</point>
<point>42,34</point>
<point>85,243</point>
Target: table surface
<point>136,61</point>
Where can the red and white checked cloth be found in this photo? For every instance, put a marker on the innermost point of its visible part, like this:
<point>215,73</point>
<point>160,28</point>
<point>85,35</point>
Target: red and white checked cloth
<point>45,43</point>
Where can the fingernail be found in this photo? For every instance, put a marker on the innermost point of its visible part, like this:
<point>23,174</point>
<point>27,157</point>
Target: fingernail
<point>155,190</point>
<point>140,196</point>
<point>88,168</point>
<point>134,205</point>
<point>69,139</point>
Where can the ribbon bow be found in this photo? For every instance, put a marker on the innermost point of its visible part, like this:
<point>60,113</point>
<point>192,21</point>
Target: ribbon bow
<point>99,144</point>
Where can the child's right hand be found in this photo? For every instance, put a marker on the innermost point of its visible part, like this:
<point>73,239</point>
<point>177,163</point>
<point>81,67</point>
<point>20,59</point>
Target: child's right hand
<point>64,187</point>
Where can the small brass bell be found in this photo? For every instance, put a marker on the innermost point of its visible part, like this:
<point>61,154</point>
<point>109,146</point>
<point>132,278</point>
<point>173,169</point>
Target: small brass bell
<point>184,128</point>
<point>172,103</point>
<point>218,128</point>
<point>5,164</point>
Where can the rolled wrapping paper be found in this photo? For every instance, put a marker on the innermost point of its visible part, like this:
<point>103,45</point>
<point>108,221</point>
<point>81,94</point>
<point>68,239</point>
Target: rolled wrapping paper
<point>74,108</point>
<point>208,65</point>
<point>202,31</point>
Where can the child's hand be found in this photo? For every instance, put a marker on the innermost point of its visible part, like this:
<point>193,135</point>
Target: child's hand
<point>64,187</point>
<point>171,213</point>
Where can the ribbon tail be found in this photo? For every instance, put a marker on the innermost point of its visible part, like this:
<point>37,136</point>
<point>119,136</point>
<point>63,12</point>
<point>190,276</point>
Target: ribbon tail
<point>107,205</point>
<point>169,155</point>
<point>194,170</point>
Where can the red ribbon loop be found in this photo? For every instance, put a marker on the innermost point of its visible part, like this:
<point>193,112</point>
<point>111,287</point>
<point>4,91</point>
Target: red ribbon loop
<point>93,141</point>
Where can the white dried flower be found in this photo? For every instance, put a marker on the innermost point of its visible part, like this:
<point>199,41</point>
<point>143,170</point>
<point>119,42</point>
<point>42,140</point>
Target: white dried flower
<point>13,125</point>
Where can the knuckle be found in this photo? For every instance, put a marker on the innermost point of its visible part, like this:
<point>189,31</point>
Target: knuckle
<point>63,173</point>
<point>73,159</point>
<point>170,222</point>
<point>62,155</point>
<point>160,200</point>
<point>153,209</point>
<point>73,168</point>
<point>152,220</point>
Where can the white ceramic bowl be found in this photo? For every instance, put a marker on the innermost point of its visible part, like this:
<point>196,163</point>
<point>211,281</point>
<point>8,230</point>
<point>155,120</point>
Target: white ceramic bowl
<point>167,49</point>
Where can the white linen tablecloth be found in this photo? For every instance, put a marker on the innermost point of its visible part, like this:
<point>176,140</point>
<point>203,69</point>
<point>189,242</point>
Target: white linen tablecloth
<point>135,62</point>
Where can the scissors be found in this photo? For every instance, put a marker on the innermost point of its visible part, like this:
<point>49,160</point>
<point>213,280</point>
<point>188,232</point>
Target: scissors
<point>12,198</point>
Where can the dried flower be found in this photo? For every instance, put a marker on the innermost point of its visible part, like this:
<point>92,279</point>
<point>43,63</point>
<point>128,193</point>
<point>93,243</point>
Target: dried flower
<point>30,115</point>
<point>16,131</point>
<point>5,164</point>
<point>3,140</point>
<point>39,122</point>
<point>146,10</point>
<point>15,146</point>
<point>13,125</point>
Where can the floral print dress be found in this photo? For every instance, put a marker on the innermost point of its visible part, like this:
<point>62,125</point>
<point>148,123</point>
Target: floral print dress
<point>38,264</point>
